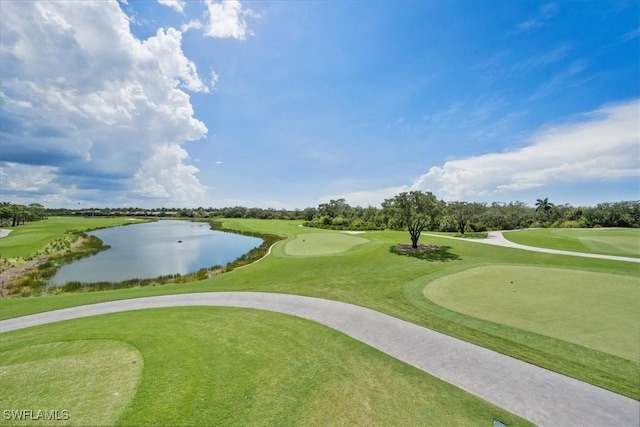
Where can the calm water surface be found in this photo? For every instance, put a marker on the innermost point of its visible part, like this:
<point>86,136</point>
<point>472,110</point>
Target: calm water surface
<point>151,249</point>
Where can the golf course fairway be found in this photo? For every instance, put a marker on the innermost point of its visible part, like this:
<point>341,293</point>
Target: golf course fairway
<point>605,241</point>
<point>596,310</point>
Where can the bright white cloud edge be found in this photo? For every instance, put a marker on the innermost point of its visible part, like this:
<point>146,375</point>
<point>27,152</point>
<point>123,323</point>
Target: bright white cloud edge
<point>177,5</point>
<point>118,103</point>
<point>226,19</point>
<point>602,145</point>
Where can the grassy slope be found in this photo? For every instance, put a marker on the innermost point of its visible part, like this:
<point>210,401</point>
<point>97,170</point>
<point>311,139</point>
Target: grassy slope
<point>251,367</point>
<point>619,242</point>
<point>27,239</point>
<point>370,275</point>
<point>600,311</point>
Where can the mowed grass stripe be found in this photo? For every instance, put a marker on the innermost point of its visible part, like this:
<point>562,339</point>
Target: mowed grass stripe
<point>232,366</point>
<point>600,311</point>
<point>618,242</point>
<point>72,376</point>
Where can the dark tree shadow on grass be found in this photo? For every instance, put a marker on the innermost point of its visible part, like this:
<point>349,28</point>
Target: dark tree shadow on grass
<point>425,252</point>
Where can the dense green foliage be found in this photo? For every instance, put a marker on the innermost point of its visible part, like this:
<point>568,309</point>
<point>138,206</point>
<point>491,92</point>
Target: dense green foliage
<point>465,217</point>
<point>413,211</point>
<point>12,214</point>
<point>461,217</point>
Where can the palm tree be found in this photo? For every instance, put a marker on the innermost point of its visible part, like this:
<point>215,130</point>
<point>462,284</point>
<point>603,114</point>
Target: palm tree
<point>544,206</point>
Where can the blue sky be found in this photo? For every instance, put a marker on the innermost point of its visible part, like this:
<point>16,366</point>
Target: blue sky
<point>289,104</point>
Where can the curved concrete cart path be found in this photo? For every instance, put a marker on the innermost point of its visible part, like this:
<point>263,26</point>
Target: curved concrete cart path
<point>539,395</point>
<point>496,238</point>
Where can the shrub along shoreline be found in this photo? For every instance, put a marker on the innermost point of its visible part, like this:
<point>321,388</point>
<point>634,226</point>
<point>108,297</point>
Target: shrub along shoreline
<point>31,279</point>
<point>34,281</point>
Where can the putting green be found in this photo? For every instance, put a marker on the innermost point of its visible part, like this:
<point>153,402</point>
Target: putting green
<point>314,244</point>
<point>597,310</point>
<point>63,383</point>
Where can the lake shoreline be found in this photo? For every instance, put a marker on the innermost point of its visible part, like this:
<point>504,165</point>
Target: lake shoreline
<point>19,272</point>
<point>82,246</point>
<point>162,249</point>
<point>16,272</point>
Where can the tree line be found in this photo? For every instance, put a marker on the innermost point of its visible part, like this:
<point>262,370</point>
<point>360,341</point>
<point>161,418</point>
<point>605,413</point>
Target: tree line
<point>15,214</point>
<point>462,217</point>
<point>456,216</point>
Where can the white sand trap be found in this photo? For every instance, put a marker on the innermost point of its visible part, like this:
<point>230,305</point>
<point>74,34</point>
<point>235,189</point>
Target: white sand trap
<point>5,233</point>
<point>353,232</point>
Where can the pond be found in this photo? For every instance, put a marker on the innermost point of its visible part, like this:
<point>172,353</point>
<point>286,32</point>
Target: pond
<point>156,249</point>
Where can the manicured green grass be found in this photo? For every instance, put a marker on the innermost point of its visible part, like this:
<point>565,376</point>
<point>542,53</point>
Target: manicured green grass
<point>597,310</point>
<point>68,380</point>
<point>314,244</point>
<point>371,275</point>
<point>230,366</point>
<point>606,241</point>
<point>26,239</point>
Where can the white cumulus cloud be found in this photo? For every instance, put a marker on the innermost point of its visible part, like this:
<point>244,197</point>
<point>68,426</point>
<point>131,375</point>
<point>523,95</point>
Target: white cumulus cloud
<point>226,19</point>
<point>166,49</point>
<point>603,145</point>
<point>91,108</point>
<point>165,170</point>
<point>177,5</point>
<point>223,19</point>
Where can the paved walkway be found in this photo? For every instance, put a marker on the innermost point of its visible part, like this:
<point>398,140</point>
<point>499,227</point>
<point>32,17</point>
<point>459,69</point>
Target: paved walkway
<point>539,395</point>
<point>496,238</point>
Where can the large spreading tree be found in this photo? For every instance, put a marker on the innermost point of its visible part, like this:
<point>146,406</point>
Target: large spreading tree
<point>415,211</point>
<point>463,212</point>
